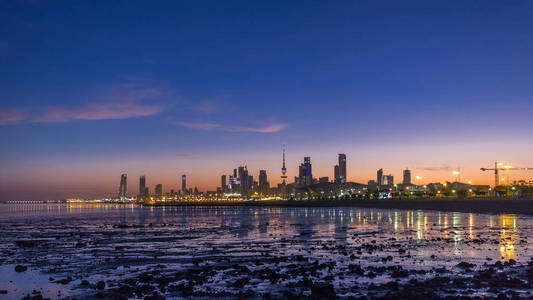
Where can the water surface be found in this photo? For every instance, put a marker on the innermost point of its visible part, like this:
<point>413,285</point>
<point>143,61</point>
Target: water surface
<point>114,243</point>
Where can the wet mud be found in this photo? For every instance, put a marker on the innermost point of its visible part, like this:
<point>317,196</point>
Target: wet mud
<point>118,252</point>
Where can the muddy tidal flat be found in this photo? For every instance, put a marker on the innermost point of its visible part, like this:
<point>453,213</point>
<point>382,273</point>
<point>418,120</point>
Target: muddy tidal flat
<point>92,251</point>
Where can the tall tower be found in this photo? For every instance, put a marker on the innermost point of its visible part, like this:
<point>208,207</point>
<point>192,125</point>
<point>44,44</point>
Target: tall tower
<point>123,186</point>
<point>283,168</point>
<point>342,168</point>
<point>379,176</point>
<point>406,177</point>
<point>243,179</point>
<point>223,183</point>
<point>159,189</point>
<point>263,181</point>
<point>305,172</point>
<point>184,184</point>
<point>142,185</point>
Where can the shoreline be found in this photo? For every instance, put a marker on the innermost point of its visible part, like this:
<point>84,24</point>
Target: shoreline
<point>522,206</point>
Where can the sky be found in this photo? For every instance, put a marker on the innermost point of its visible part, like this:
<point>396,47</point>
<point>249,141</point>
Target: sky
<point>93,89</point>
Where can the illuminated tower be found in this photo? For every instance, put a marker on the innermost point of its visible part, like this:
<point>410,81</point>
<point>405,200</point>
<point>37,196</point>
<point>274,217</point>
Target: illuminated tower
<point>123,186</point>
<point>283,168</point>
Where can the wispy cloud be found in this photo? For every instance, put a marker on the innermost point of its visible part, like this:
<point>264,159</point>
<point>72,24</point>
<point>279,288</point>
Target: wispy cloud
<point>206,107</point>
<point>99,111</point>
<point>11,116</point>
<point>437,168</point>
<point>186,155</point>
<point>271,128</point>
<point>132,98</point>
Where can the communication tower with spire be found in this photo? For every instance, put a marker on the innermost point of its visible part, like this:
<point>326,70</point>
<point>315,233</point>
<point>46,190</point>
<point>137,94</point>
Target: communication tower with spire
<point>283,168</point>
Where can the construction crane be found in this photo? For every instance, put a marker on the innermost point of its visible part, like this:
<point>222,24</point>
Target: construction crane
<point>498,167</point>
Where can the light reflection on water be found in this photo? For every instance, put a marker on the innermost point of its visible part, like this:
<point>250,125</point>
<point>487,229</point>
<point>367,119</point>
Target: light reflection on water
<point>176,236</point>
<point>310,223</point>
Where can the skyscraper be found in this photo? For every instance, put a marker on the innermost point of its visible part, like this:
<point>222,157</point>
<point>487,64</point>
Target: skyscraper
<point>243,179</point>
<point>142,186</point>
<point>342,168</point>
<point>159,189</point>
<point>223,183</point>
<point>123,186</point>
<point>184,184</point>
<point>388,180</point>
<point>407,177</point>
<point>305,172</point>
<point>263,181</point>
<point>379,178</point>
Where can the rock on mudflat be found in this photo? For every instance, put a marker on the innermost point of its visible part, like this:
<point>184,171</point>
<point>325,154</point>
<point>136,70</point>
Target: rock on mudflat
<point>20,268</point>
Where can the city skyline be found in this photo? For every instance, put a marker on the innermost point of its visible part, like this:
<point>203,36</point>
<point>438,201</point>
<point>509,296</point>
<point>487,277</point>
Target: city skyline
<point>241,180</point>
<point>175,88</point>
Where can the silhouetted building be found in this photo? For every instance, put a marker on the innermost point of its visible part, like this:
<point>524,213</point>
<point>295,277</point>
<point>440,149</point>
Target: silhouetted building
<point>388,180</point>
<point>264,186</point>
<point>159,189</point>
<point>379,177</point>
<point>243,179</point>
<point>123,186</point>
<point>323,180</point>
<point>372,185</point>
<point>340,169</point>
<point>305,172</point>
<point>406,177</point>
<point>223,183</point>
<point>184,184</point>
<point>142,186</point>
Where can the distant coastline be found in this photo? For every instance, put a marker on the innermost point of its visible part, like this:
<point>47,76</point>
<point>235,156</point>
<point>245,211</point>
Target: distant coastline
<point>522,206</point>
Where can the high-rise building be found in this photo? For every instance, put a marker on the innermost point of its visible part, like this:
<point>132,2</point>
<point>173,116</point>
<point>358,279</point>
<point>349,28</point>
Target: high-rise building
<point>232,182</point>
<point>388,180</point>
<point>142,186</point>
<point>123,186</point>
<point>223,183</point>
<point>305,172</point>
<point>342,168</point>
<point>263,182</point>
<point>159,189</point>
<point>379,177</point>
<point>242,172</point>
<point>184,184</point>
<point>250,183</point>
<point>407,177</point>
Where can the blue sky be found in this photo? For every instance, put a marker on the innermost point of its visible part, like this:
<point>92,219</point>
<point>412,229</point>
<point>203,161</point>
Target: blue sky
<point>92,89</point>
